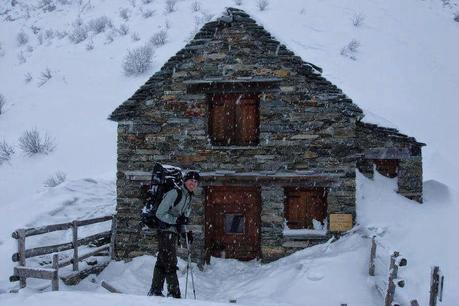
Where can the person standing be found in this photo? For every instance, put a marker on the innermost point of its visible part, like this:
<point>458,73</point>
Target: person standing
<point>172,216</point>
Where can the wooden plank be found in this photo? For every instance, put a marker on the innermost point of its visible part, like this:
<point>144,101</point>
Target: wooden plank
<point>58,227</point>
<point>109,287</point>
<point>371,269</point>
<point>94,220</point>
<point>393,271</point>
<point>43,229</point>
<point>61,247</point>
<point>55,279</point>
<point>75,244</point>
<point>75,277</point>
<point>21,255</point>
<point>434,282</point>
<point>112,238</point>
<point>43,273</point>
<point>94,252</point>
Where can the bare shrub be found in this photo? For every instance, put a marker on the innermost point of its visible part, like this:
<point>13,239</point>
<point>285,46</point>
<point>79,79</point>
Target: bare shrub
<point>49,34</point>
<point>29,49</point>
<point>60,34</point>
<point>109,38</point>
<point>238,2</point>
<point>6,152</point>
<point>123,30</point>
<point>90,45</point>
<point>45,76</point>
<point>55,180</point>
<point>47,5</point>
<point>100,24</point>
<point>357,19</point>
<point>135,36</point>
<point>147,13</point>
<point>31,143</point>
<point>27,77</point>
<point>2,104</point>
<point>350,50</point>
<point>147,1</point>
<point>262,4</point>
<point>159,39</point>
<point>196,6</point>
<point>456,17</point>
<point>2,51</point>
<point>170,6</point>
<point>124,13</point>
<point>21,58</point>
<point>22,38</point>
<point>78,34</point>
<point>138,60</point>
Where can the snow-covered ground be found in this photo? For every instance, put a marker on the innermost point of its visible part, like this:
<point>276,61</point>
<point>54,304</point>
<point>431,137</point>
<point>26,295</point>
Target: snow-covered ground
<point>405,74</point>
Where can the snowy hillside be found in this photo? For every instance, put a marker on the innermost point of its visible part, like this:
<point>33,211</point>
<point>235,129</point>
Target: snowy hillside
<point>61,73</point>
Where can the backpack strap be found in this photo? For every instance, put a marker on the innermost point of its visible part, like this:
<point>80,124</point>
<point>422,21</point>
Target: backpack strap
<point>179,197</point>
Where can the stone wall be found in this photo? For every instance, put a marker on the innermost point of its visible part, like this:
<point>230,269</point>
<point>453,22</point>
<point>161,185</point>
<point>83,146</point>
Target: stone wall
<point>307,125</point>
<point>385,143</point>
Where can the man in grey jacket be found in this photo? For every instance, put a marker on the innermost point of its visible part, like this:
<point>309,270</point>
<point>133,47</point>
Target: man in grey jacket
<point>172,216</point>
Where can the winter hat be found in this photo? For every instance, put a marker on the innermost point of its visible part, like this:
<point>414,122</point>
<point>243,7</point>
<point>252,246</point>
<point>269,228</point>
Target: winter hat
<point>191,175</point>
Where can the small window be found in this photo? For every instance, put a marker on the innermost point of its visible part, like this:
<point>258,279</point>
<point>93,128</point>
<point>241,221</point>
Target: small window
<point>387,167</point>
<point>234,224</point>
<point>305,207</point>
<point>234,119</point>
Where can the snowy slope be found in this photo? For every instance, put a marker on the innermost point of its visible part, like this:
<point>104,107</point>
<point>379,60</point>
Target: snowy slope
<point>405,74</point>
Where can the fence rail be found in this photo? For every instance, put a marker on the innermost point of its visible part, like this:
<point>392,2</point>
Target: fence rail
<point>22,272</point>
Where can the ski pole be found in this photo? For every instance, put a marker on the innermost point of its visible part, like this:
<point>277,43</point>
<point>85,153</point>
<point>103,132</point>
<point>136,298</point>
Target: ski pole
<point>189,267</point>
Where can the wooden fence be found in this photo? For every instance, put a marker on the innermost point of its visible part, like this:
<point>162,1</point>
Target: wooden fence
<point>387,288</point>
<point>22,271</point>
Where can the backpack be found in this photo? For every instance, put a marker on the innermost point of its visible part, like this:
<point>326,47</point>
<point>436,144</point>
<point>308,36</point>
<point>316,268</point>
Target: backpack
<point>163,179</point>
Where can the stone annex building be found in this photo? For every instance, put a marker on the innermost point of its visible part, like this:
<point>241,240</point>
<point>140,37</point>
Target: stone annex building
<point>277,146</point>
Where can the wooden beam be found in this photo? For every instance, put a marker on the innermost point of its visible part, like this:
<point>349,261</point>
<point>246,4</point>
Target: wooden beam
<point>21,255</point>
<point>109,287</point>
<point>75,245</point>
<point>95,220</point>
<point>55,279</point>
<point>61,247</point>
<point>372,267</point>
<point>43,273</point>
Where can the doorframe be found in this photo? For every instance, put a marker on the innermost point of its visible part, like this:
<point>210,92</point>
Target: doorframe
<point>256,188</point>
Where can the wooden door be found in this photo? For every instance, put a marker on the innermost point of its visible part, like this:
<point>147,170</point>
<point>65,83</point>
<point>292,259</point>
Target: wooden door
<point>303,206</point>
<point>387,167</point>
<point>232,222</point>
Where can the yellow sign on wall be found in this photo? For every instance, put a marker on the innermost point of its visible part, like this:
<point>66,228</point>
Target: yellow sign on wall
<point>340,222</point>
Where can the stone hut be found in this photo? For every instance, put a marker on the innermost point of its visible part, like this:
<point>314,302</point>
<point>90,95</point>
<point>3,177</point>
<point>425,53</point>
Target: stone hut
<point>277,146</point>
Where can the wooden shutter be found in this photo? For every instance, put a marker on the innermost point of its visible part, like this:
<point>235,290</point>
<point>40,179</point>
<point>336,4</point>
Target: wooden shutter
<point>387,167</point>
<point>302,206</point>
<point>221,121</point>
<point>247,120</point>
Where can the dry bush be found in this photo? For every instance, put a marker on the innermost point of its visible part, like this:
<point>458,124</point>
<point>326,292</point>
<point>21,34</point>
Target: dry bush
<point>170,6</point>
<point>159,39</point>
<point>100,24</point>
<point>22,39</point>
<point>56,179</point>
<point>351,49</point>
<point>262,4</point>
<point>138,60</point>
<point>2,104</point>
<point>6,152</point>
<point>357,19</point>
<point>32,143</point>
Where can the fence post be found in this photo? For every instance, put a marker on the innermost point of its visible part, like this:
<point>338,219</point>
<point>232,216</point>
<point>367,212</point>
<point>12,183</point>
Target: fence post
<point>112,238</point>
<point>393,271</point>
<point>21,253</point>
<point>434,282</point>
<point>371,270</point>
<point>55,280</point>
<point>75,245</point>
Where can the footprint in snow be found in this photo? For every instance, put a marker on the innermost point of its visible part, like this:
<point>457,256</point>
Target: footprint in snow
<point>315,276</point>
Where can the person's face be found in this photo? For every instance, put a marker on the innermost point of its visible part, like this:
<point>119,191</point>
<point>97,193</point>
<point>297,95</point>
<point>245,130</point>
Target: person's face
<point>191,184</point>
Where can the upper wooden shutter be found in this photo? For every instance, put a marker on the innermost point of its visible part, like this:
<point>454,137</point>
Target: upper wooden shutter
<point>221,120</point>
<point>247,120</point>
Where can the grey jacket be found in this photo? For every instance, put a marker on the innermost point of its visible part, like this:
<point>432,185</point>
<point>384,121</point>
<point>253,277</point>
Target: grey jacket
<point>168,213</point>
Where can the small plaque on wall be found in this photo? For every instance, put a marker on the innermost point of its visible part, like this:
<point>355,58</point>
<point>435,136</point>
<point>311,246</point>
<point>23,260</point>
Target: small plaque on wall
<point>340,222</point>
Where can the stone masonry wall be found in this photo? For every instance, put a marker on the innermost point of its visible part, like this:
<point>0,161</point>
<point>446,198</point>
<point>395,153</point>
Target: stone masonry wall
<point>388,141</point>
<point>307,125</point>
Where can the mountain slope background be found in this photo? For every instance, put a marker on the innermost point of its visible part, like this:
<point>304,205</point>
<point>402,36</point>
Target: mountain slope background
<point>395,59</point>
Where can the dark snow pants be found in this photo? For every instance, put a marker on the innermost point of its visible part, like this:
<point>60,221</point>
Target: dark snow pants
<point>166,265</point>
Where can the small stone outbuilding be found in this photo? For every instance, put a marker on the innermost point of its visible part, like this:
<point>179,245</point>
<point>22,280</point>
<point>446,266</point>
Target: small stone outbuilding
<point>277,145</point>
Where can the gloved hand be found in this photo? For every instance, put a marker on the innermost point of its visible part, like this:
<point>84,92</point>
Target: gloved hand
<point>181,220</point>
<point>188,235</point>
